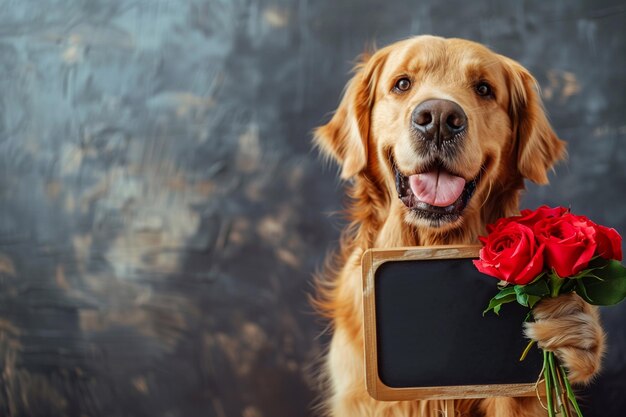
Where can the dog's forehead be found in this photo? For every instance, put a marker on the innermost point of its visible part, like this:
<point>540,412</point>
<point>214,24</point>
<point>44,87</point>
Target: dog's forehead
<point>433,55</point>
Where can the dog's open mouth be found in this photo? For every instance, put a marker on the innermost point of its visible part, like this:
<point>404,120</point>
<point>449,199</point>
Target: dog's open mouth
<point>435,194</point>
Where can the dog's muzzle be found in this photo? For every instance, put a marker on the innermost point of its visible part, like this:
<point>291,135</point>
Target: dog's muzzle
<point>435,194</point>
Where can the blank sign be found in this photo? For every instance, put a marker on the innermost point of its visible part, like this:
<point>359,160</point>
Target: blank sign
<point>426,336</point>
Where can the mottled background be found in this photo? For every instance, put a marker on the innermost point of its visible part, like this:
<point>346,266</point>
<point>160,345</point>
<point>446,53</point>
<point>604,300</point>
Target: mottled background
<point>161,209</point>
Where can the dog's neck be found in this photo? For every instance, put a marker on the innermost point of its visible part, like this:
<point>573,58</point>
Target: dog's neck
<point>395,231</point>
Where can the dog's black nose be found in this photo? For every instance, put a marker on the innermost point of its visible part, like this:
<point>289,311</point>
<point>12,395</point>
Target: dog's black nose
<point>439,120</point>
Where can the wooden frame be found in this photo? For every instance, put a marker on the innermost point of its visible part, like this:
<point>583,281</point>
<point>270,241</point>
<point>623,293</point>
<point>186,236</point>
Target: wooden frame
<point>371,261</point>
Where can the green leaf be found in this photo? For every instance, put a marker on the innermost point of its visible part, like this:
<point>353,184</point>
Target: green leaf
<point>581,290</point>
<point>528,317</point>
<point>521,296</point>
<point>533,299</point>
<point>537,278</point>
<point>594,277</point>
<point>597,263</point>
<point>496,302</point>
<point>607,286</point>
<point>538,288</point>
<point>505,292</point>
<point>496,309</point>
<point>568,287</point>
<point>522,299</point>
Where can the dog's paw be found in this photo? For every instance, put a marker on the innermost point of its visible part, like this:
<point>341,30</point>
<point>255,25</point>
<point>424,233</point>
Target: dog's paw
<point>570,328</point>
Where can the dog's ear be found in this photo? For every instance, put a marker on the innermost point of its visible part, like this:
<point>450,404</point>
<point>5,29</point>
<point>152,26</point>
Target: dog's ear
<point>538,147</point>
<point>345,138</point>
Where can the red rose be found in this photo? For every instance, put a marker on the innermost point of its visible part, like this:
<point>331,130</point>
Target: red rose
<point>531,217</point>
<point>609,243</point>
<point>511,253</point>
<point>570,242</point>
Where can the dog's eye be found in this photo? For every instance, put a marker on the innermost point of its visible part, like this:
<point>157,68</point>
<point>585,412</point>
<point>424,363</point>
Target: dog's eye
<point>402,85</point>
<point>483,89</point>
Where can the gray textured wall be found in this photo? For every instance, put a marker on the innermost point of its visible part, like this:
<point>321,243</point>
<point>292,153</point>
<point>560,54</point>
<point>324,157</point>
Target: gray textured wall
<point>161,210</point>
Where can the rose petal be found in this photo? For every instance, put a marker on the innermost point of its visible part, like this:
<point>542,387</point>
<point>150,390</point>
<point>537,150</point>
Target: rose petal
<point>609,243</point>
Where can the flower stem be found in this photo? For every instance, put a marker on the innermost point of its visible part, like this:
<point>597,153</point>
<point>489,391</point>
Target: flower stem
<point>555,381</point>
<point>525,352</point>
<point>556,284</point>
<point>561,390</point>
<point>547,376</point>
<point>570,392</point>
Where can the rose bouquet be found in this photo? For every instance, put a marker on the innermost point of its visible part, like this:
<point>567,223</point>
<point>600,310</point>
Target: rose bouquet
<point>546,252</point>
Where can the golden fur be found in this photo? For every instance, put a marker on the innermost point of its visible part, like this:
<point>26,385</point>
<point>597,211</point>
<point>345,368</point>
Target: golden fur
<point>508,139</point>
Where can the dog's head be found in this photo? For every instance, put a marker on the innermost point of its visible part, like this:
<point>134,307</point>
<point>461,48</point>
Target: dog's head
<point>442,126</point>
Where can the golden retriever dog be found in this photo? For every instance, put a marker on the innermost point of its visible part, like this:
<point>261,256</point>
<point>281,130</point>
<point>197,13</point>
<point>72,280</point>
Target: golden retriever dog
<point>435,138</point>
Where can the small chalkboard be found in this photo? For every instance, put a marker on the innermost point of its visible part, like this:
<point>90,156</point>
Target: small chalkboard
<point>425,334</point>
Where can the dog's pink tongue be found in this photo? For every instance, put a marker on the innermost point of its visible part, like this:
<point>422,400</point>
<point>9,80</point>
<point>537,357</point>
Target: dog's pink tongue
<point>437,188</point>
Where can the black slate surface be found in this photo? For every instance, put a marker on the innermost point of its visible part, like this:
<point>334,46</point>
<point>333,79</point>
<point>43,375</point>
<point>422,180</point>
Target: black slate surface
<point>431,332</point>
